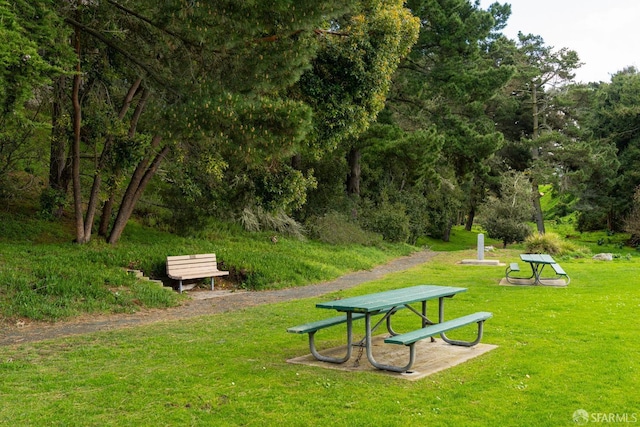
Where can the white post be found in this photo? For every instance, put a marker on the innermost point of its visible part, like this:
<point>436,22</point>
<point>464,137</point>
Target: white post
<point>480,247</point>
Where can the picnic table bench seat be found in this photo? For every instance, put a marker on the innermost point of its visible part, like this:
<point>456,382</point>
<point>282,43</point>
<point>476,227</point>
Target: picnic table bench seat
<point>411,338</point>
<point>560,271</point>
<point>312,327</point>
<point>199,266</point>
<point>514,267</point>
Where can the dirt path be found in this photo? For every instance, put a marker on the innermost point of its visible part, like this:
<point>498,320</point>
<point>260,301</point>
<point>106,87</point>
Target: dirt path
<point>216,302</point>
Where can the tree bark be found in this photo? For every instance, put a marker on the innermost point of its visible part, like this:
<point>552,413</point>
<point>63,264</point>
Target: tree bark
<point>537,207</point>
<point>137,185</point>
<point>296,162</point>
<point>106,149</point>
<point>470,218</point>
<point>77,123</point>
<point>59,173</point>
<point>446,233</point>
<point>353,177</point>
<point>105,216</point>
<point>107,208</point>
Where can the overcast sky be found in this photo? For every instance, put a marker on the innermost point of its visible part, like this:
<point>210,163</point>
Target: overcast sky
<point>606,34</point>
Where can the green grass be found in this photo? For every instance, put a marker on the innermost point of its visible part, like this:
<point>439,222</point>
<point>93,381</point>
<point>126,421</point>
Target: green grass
<point>596,241</point>
<point>460,239</point>
<point>560,350</point>
<point>45,276</point>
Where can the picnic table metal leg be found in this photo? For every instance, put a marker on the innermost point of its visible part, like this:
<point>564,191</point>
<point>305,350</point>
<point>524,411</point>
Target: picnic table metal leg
<point>389,327</point>
<point>330,359</point>
<point>456,342</point>
<point>425,321</point>
<point>387,318</point>
<point>513,279</point>
<point>537,272</point>
<point>372,360</point>
<point>422,314</point>
<point>465,343</point>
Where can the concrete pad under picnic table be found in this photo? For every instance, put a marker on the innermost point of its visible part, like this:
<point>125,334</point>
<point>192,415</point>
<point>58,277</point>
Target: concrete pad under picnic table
<point>431,357</point>
<point>488,262</point>
<point>558,283</point>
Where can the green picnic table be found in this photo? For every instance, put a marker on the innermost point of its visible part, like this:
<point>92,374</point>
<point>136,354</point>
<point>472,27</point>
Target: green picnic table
<point>537,263</point>
<point>387,304</point>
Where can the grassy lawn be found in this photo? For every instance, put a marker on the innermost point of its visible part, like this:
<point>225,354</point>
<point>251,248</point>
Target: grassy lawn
<point>44,276</point>
<point>560,350</point>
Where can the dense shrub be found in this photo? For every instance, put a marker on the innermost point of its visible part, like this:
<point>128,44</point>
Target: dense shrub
<point>258,219</point>
<point>592,220</point>
<point>505,229</point>
<point>505,217</point>
<point>552,244</point>
<point>336,229</point>
<point>388,219</point>
<point>632,223</point>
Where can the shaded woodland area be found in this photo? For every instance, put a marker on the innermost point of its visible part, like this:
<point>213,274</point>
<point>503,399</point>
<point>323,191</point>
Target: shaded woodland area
<point>402,119</point>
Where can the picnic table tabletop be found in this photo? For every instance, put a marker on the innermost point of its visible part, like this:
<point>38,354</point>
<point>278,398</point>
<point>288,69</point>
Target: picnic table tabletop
<point>537,258</point>
<point>393,298</point>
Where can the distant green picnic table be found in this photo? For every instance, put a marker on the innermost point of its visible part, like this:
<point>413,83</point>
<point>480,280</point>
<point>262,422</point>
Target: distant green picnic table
<point>537,263</point>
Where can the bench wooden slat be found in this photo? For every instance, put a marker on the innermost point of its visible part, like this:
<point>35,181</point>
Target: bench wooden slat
<point>196,271</point>
<point>191,257</point>
<point>183,263</point>
<point>195,267</point>
<point>198,275</point>
<point>198,266</point>
<point>514,266</point>
<point>438,328</point>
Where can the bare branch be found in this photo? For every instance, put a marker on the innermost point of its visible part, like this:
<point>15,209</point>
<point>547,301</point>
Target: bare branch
<point>150,71</point>
<point>153,24</point>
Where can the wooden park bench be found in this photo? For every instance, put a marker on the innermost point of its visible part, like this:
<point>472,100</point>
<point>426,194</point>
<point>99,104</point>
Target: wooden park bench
<point>200,266</point>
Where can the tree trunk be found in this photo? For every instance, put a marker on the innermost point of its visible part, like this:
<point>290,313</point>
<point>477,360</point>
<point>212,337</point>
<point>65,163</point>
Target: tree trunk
<point>137,185</point>
<point>105,216</point>
<point>102,162</point>
<point>470,217</point>
<point>107,208</point>
<point>77,123</point>
<point>353,177</point>
<point>537,207</point>
<point>446,233</point>
<point>296,162</point>
<point>59,173</point>
<point>536,121</point>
